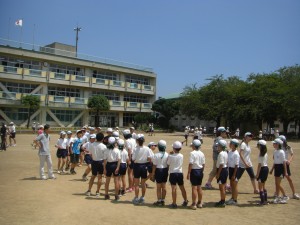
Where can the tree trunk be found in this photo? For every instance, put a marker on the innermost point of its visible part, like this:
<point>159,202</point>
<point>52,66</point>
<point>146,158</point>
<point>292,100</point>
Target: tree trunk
<point>97,119</point>
<point>285,127</point>
<point>29,115</point>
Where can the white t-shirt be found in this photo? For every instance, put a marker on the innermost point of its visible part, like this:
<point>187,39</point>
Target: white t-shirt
<point>222,159</point>
<point>62,143</point>
<point>233,159</point>
<point>263,160</point>
<point>245,152</point>
<point>130,145</point>
<point>98,151</point>
<point>279,156</point>
<point>175,162</point>
<point>88,146</point>
<point>69,140</point>
<point>124,156</point>
<point>160,160</point>
<point>288,151</point>
<point>12,129</point>
<point>141,154</point>
<point>112,155</point>
<point>197,159</point>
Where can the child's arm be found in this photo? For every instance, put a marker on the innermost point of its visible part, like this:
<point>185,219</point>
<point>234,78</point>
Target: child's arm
<point>118,166</point>
<point>234,173</point>
<point>153,172</point>
<point>242,158</point>
<point>189,171</point>
<point>271,171</point>
<point>258,170</point>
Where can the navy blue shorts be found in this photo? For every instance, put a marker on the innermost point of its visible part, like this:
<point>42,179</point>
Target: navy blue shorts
<point>161,175</point>
<point>111,168</point>
<point>263,174</point>
<point>97,167</point>
<point>242,170</point>
<point>74,158</point>
<point>176,178</point>
<point>88,159</point>
<point>140,170</point>
<point>231,171</point>
<point>196,177</point>
<point>223,176</point>
<point>122,169</point>
<point>288,170</point>
<point>149,167</point>
<point>61,153</point>
<point>279,170</point>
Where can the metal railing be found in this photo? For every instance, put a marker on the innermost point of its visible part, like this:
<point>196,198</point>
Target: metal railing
<point>55,51</point>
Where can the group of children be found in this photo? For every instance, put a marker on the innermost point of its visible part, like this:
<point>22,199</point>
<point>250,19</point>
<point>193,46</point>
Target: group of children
<point>112,156</point>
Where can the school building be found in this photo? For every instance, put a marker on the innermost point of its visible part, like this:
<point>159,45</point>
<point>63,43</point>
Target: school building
<point>64,80</point>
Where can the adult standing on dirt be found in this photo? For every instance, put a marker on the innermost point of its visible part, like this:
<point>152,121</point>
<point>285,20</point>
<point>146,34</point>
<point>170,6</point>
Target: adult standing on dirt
<point>3,137</point>
<point>43,141</point>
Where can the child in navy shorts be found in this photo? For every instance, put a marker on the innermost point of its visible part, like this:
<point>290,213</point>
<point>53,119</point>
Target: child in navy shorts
<point>195,173</point>
<point>222,172</point>
<point>112,159</point>
<point>175,162</point>
<point>262,171</point>
<point>123,165</point>
<point>160,173</point>
<point>62,152</point>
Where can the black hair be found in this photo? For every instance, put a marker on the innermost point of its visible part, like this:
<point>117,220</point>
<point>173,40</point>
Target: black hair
<point>99,136</point>
<point>140,141</point>
<point>46,127</point>
<point>263,150</point>
<point>127,136</point>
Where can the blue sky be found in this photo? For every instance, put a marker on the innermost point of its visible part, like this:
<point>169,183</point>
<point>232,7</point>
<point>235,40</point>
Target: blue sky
<point>185,42</point>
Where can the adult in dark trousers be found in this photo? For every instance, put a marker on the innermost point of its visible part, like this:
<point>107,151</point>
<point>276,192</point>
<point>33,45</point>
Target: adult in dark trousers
<point>3,132</point>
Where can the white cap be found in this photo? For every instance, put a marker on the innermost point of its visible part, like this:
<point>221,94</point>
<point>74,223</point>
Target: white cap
<point>152,143</point>
<point>92,136</point>
<point>235,141</point>
<point>115,134</point>
<point>162,143</point>
<point>11,123</point>
<point>177,145</point>
<point>248,134</point>
<point>125,132</point>
<point>69,132</point>
<point>92,128</point>
<point>62,133</point>
<point>109,129</point>
<point>262,142</point>
<point>278,141</point>
<point>223,143</point>
<point>140,136</point>
<point>221,129</point>
<point>78,131</point>
<point>111,140</point>
<point>131,128</point>
<point>282,137</point>
<point>120,142</point>
<point>196,143</point>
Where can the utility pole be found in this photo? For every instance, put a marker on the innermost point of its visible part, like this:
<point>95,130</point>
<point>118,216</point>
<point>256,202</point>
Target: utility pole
<point>77,29</point>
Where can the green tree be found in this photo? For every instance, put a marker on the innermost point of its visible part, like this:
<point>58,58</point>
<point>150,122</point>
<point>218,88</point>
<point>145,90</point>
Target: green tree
<point>141,118</point>
<point>167,108</point>
<point>96,104</point>
<point>33,104</point>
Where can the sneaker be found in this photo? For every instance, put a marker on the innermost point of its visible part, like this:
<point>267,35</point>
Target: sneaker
<point>158,203</point>
<point>162,203</point>
<point>106,197</point>
<point>286,198</point>
<point>185,203</point>
<point>88,193</point>
<point>97,194</point>
<point>256,192</point>
<point>282,201</point>
<point>52,178</point>
<point>231,202</point>
<point>117,197</point>
<point>73,172</point>
<point>199,205</point>
<point>135,201</point>
<point>141,200</point>
<point>84,178</point>
<point>123,192</point>
<point>193,207</point>
<point>276,200</point>
<point>43,178</point>
<point>208,186</point>
<point>296,196</point>
<point>220,204</point>
<point>58,171</point>
<point>173,206</point>
<point>63,171</point>
<point>129,190</point>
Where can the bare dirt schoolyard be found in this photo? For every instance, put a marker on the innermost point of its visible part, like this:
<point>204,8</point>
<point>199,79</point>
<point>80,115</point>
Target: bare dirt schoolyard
<point>25,199</point>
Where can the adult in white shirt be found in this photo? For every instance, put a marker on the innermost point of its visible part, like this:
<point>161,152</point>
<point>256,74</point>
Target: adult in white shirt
<point>245,161</point>
<point>141,156</point>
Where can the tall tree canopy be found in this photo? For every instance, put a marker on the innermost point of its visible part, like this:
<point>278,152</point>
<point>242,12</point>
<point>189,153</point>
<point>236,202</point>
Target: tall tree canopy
<point>33,104</point>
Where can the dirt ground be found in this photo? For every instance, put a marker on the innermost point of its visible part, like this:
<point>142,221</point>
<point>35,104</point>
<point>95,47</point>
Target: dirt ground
<point>25,199</point>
